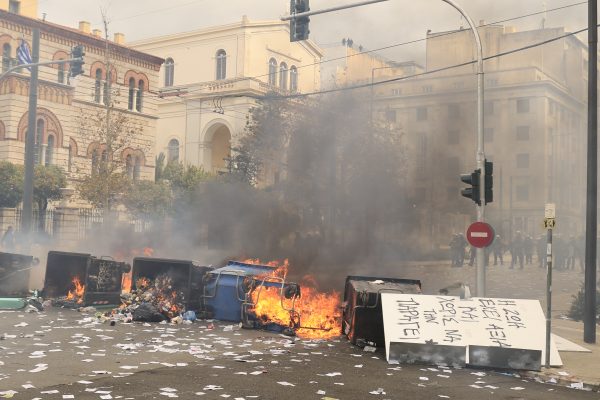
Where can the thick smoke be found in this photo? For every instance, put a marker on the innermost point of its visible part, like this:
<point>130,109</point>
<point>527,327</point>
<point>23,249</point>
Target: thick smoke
<point>331,193</point>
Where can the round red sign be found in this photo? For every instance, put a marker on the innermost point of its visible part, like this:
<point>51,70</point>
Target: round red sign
<point>480,234</point>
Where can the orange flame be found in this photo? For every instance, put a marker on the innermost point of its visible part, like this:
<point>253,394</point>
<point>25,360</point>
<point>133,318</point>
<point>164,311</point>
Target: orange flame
<point>126,282</point>
<point>78,291</point>
<point>319,314</point>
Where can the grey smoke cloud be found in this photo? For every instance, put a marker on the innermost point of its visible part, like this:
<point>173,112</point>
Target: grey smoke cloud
<point>372,26</point>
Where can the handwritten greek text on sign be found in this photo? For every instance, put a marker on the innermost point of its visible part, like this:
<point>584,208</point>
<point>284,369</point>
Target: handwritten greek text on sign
<point>450,321</point>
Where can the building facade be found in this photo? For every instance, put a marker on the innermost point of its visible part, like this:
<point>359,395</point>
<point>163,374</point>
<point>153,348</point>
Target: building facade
<point>535,117</point>
<point>28,8</point>
<point>212,78</point>
<point>67,107</point>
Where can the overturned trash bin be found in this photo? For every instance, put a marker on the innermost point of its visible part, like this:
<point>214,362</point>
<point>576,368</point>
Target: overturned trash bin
<point>14,274</point>
<point>362,320</point>
<point>228,294</point>
<point>78,280</point>
<point>185,277</point>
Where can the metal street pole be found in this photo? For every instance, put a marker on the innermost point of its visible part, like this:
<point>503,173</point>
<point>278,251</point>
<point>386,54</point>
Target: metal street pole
<point>548,294</point>
<point>480,156</point>
<point>589,312</point>
<point>27,216</point>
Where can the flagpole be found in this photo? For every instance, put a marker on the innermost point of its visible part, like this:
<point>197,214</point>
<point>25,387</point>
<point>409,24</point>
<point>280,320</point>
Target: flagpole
<point>27,216</point>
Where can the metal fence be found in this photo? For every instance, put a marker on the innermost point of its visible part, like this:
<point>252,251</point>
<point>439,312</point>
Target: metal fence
<point>89,219</point>
<point>41,223</point>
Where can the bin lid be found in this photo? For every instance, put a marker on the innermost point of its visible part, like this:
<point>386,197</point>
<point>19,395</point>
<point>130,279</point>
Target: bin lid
<point>244,269</point>
<point>375,284</point>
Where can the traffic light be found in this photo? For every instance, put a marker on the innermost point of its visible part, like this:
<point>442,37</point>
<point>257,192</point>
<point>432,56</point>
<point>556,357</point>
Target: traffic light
<point>77,53</point>
<point>489,182</point>
<point>473,191</point>
<point>299,26</point>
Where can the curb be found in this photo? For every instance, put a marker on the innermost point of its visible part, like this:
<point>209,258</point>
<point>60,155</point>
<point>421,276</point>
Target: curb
<point>548,377</point>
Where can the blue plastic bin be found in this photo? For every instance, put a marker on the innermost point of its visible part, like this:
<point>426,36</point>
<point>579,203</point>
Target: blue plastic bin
<point>226,289</point>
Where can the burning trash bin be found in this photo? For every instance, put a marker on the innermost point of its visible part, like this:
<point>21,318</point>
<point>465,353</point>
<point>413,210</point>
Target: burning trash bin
<point>362,319</point>
<point>232,292</point>
<point>79,280</point>
<point>167,286</point>
<point>14,274</point>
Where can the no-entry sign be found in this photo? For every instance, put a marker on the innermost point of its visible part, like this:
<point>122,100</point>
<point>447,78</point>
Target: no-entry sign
<point>480,234</point>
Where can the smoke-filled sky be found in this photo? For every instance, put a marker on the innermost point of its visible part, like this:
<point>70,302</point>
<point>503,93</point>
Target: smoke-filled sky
<point>372,26</point>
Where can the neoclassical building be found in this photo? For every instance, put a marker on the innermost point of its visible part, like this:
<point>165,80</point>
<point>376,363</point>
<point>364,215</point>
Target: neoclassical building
<point>69,108</point>
<point>212,77</point>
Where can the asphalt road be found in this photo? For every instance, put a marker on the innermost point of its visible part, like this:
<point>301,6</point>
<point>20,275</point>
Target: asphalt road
<point>63,354</point>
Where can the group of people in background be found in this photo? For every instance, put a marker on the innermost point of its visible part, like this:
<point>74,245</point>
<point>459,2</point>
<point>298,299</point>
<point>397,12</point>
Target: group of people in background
<point>567,253</point>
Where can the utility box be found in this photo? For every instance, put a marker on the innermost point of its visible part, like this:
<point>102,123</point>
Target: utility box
<point>79,280</point>
<point>362,319</point>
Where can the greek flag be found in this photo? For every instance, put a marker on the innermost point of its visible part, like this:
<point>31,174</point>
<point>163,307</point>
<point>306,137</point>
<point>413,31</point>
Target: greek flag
<point>23,54</point>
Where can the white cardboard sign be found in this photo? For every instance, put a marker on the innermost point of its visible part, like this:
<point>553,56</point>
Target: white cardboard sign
<point>450,321</point>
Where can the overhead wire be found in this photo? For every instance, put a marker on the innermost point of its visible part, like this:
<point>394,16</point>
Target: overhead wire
<point>158,95</point>
<point>412,41</point>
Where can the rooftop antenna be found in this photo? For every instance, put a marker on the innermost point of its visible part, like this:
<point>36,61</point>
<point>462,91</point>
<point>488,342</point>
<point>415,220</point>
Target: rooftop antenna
<point>44,17</point>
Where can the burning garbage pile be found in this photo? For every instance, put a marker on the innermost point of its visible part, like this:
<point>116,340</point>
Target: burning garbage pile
<point>155,290</point>
<point>153,300</point>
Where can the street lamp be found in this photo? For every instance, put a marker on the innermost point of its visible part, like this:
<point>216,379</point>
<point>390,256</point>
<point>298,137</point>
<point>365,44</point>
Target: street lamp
<point>480,155</point>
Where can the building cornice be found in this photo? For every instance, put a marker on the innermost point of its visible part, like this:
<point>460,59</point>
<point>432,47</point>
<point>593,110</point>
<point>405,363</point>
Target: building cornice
<point>71,37</point>
<point>53,92</point>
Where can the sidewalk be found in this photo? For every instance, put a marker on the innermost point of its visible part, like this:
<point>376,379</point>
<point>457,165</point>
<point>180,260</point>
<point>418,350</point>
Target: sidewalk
<point>581,367</point>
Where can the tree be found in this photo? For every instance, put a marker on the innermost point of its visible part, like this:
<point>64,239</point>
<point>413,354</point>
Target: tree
<point>159,167</point>
<point>48,180</point>
<point>184,180</point>
<point>342,172</point>
<point>113,131</point>
<point>268,130</point>
<point>11,184</point>
<point>146,199</point>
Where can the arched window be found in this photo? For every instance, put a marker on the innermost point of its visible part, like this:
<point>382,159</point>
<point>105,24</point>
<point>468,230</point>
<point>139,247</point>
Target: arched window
<point>39,140</point>
<point>140,96</point>
<point>95,162</point>
<point>131,101</point>
<point>169,72</point>
<point>272,72</point>
<point>6,50</point>
<point>103,160</point>
<point>129,166</point>
<point>136,169</point>
<point>107,89</point>
<point>50,150</point>
<point>98,86</point>
<point>293,79</point>
<point>61,72</point>
<point>221,64</point>
<point>173,151</point>
<point>70,160</point>
<point>283,75</point>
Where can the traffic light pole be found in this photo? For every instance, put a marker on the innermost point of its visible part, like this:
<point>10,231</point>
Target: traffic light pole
<point>480,156</point>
